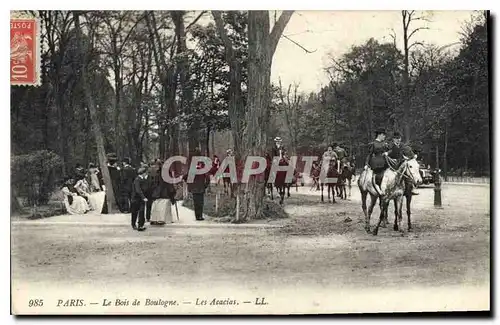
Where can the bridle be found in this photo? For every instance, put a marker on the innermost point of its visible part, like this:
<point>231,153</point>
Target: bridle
<point>401,172</point>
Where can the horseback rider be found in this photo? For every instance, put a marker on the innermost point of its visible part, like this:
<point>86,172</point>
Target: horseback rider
<point>376,160</point>
<point>399,151</point>
<point>341,155</point>
<point>278,149</point>
<point>330,153</point>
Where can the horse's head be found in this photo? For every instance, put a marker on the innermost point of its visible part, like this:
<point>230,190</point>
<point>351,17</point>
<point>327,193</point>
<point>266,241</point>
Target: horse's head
<point>411,169</point>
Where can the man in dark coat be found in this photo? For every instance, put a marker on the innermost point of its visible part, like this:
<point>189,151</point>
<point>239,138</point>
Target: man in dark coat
<point>278,149</point>
<point>116,179</point>
<point>197,189</point>
<point>141,185</point>
<point>399,151</point>
<point>128,176</point>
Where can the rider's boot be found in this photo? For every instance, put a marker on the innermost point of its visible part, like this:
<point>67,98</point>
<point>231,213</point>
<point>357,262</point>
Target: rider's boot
<point>377,187</point>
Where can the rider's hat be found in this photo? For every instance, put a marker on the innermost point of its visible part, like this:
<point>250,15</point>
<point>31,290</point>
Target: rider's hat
<point>277,139</point>
<point>379,131</point>
<point>229,150</point>
<point>335,144</point>
<point>396,135</point>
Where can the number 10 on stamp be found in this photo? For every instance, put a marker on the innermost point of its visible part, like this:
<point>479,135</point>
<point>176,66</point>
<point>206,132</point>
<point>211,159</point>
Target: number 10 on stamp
<point>24,52</point>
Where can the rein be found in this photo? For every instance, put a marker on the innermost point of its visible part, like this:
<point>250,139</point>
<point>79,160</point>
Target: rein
<point>392,162</point>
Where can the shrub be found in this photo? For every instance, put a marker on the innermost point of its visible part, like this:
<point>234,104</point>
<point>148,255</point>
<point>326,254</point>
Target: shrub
<point>35,175</point>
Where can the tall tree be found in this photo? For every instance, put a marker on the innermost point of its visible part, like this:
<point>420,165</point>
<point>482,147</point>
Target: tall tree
<point>96,127</point>
<point>261,48</point>
<point>408,17</point>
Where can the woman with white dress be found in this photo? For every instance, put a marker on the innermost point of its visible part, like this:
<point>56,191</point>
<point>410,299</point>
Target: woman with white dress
<point>74,203</point>
<point>163,196</point>
<point>97,195</point>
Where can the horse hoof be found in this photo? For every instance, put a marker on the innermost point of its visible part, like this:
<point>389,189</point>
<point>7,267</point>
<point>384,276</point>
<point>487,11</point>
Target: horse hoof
<point>375,232</point>
<point>395,228</point>
<point>367,229</point>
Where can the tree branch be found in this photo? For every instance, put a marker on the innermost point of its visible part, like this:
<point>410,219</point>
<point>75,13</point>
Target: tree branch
<point>415,44</point>
<point>228,45</point>
<point>278,29</point>
<point>416,30</point>
<point>291,40</point>
<point>195,20</point>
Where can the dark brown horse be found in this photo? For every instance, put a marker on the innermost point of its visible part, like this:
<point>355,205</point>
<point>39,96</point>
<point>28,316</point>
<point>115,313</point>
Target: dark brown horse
<point>331,172</point>
<point>346,175</point>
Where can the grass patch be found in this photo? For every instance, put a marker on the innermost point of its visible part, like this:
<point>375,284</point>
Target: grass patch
<point>226,211</point>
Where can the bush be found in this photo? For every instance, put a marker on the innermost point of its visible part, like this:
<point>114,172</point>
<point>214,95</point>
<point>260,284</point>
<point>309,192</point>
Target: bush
<point>35,175</point>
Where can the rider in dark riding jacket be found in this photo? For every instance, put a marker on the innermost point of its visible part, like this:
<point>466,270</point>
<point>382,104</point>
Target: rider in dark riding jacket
<point>376,160</point>
<point>399,151</point>
<point>278,149</point>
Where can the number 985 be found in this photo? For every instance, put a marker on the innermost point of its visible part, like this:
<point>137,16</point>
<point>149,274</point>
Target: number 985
<point>35,303</point>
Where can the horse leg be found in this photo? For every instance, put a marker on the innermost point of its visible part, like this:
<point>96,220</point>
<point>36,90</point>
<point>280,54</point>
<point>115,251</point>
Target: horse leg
<point>333,193</point>
<point>288,189</point>
<point>408,210</point>
<point>384,218</point>
<point>363,203</point>
<point>349,188</point>
<point>282,194</point>
<point>369,212</point>
<point>396,214</point>
<point>322,199</point>
<point>383,207</point>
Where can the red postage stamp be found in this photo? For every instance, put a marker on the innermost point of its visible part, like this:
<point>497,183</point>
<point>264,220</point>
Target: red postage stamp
<point>24,52</point>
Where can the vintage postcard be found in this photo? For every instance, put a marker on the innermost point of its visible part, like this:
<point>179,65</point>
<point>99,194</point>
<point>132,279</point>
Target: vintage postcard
<point>249,162</point>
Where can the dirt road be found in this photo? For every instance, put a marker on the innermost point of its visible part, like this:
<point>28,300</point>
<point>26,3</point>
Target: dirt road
<point>322,249</point>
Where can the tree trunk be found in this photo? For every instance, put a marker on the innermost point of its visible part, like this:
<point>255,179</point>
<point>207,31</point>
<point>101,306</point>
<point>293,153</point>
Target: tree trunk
<point>118,109</point>
<point>406,81</point>
<point>445,152</point>
<point>207,143</point>
<point>437,155</point>
<point>95,122</point>
<point>255,136</point>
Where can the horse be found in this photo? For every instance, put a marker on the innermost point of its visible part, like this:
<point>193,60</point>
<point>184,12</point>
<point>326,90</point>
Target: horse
<point>315,172</point>
<point>282,186</point>
<point>331,172</point>
<point>393,187</point>
<point>346,175</point>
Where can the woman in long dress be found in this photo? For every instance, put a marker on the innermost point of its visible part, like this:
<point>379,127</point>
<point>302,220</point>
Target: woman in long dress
<point>163,196</point>
<point>97,195</point>
<point>74,203</point>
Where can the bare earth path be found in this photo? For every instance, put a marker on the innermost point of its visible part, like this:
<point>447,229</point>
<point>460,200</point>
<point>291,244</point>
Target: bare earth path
<point>320,260</point>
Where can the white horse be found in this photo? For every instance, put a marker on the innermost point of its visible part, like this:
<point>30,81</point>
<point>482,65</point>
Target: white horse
<point>393,187</point>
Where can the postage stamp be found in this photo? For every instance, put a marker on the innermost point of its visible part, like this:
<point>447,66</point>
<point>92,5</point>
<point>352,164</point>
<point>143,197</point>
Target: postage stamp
<point>24,51</point>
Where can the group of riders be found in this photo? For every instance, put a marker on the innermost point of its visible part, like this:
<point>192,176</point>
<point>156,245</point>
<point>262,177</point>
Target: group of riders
<point>382,155</point>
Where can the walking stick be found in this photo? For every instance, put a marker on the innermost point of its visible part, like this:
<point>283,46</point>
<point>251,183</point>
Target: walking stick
<point>176,211</point>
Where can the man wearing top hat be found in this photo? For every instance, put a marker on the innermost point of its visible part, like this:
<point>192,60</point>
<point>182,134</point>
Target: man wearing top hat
<point>278,149</point>
<point>116,179</point>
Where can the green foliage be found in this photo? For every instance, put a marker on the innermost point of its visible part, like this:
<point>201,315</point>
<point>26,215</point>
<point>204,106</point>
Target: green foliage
<point>35,175</point>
